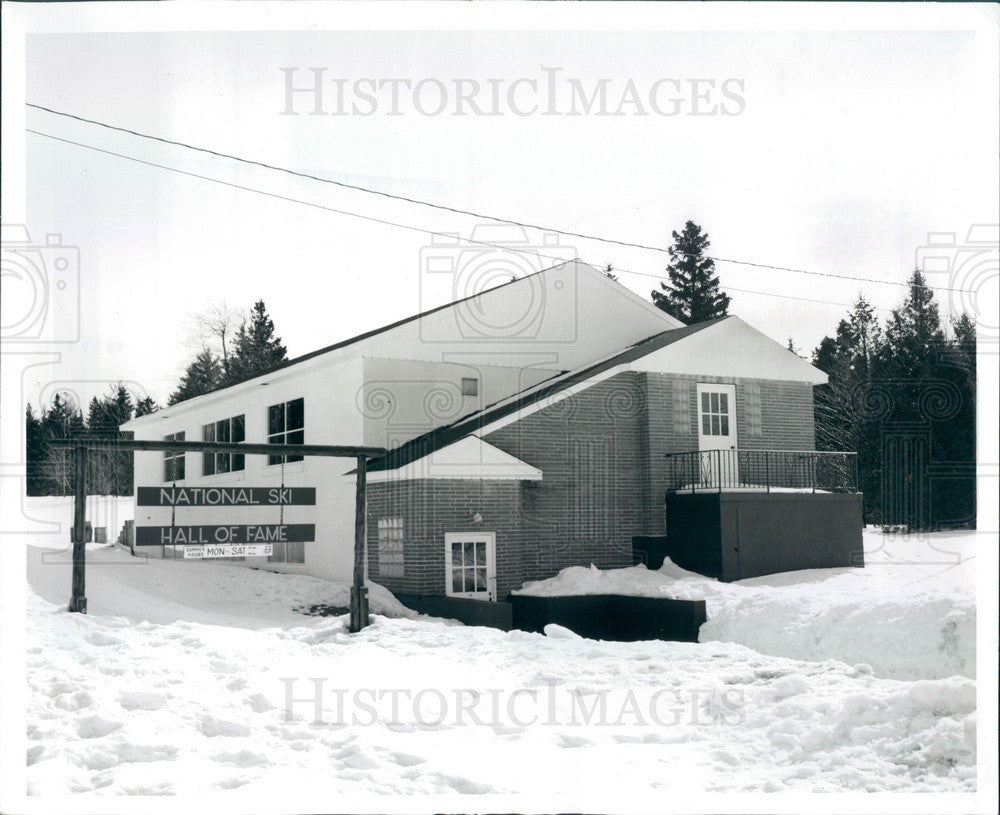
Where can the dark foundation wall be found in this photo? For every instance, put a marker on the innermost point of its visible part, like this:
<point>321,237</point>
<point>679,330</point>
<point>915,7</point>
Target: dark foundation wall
<point>431,507</point>
<point>737,535</point>
<point>589,503</point>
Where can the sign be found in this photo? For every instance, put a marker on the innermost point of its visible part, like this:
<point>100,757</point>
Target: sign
<point>228,550</point>
<point>225,496</point>
<point>224,534</point>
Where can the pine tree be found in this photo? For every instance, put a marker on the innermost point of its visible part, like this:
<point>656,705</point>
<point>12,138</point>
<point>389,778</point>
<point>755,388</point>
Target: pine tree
<point>145,406</point>
<point>256,349</point>
<point>914,337</point>
<point>202,376</point>
<point>844,419</point>
<point>35,450</point>
<point>691,293</point>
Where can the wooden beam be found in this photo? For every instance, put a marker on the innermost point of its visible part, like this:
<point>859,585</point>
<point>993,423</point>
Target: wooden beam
<point>244,448</point>
<point>359,593</point>
<point>78,595</point>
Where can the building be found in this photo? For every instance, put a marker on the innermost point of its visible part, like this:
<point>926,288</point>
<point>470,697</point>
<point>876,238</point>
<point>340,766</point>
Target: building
<point>533,426</point>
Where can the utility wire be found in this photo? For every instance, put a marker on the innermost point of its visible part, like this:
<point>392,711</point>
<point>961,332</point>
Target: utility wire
<point>384,222</point>
<point>472,213</point>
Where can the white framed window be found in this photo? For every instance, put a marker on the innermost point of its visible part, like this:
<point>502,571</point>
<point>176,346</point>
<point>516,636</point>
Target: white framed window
<point>470,565</point>
<point>227,430</point>
<point>286,424</point>
<point>173,460</point>
<point>714,413</point>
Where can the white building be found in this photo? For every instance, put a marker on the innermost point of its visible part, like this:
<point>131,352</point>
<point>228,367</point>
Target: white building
<point>382,389</point>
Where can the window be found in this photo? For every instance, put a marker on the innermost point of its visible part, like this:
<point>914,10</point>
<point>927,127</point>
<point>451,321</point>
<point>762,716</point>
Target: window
<point>286,425</point>
<point>470,569</point>
<point>290,552</point>
<point>390,547</point>
<point>173,460</point>
<point>470,386</point>
<point>714,414</point>
<point>228,430</point>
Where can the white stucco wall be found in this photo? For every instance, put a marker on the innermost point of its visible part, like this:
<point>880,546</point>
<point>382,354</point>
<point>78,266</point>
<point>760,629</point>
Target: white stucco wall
<point>403,399</point>
<point>329,419</point>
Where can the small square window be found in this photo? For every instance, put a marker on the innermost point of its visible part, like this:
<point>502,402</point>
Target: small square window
<point>470,386</point>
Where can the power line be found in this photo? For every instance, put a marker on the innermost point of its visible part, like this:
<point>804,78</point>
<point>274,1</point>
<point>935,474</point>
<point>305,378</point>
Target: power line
<point>384,222</point>
<point>471,213</point>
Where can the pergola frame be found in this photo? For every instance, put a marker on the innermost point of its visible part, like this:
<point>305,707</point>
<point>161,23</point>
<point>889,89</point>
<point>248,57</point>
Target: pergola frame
<point>361,454</point>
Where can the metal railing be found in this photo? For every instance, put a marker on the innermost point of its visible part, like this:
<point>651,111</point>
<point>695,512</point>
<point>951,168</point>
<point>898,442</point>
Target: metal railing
<point>764,470</point>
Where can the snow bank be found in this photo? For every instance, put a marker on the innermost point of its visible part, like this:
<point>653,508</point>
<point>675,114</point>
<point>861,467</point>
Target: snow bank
<point>183,708</point>
<point>909,614</point>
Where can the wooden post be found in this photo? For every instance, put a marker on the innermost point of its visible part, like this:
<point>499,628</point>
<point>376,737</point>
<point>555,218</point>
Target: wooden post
<point>78,598</point>
<point>359,594</point>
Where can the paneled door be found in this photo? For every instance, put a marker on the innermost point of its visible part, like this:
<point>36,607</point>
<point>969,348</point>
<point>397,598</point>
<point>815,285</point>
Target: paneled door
<point>717,440</point>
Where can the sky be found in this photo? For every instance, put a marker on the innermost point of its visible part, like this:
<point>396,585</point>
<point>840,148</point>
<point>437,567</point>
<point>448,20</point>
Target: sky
<point>832,151</point>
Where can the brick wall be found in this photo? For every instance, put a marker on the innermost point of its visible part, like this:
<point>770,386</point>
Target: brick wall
<point>770,415</point>
<point>590,450</point>
<point>429,508</point>
<point>601,453</point>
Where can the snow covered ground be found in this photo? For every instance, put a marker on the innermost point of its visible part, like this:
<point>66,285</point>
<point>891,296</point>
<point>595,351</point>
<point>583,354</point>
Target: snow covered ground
<point>178,682</point>
<point>910,614</point>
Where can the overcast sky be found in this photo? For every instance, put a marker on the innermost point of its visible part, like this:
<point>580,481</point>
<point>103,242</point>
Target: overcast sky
<point>834,152</point>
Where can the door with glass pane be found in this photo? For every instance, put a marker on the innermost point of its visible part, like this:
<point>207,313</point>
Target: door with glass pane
<point>470,565</point>
<point>717,436</point>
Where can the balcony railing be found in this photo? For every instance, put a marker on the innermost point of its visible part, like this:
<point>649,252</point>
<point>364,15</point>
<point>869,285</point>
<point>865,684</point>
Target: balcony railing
<point>763,470</point>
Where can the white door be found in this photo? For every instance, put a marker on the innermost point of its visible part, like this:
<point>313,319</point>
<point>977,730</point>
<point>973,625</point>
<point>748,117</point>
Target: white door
<point>470,565</point>
<point>717,435</point>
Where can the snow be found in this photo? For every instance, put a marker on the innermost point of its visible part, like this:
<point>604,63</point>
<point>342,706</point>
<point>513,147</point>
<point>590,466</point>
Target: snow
<point>177,681</point>
<point>909,614</point>
<point>218,593</point>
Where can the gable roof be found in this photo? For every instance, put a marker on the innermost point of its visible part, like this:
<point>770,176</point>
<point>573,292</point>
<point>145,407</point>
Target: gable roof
<point>440,437</point>
<point>470,457</point>
<point>695,356</point>
<point>652,319</point>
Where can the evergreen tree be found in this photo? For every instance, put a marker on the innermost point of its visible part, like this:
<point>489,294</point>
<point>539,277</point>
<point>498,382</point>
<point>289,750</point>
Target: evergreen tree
<point>256,349</point>
<point>691,293</point>
<point>914,337</point>
<point>35,452</point>
<point>109,471</point>
<point>145,406</point>
<point>63,420</point>
<point>202,376</point>
<point>844,418</point>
